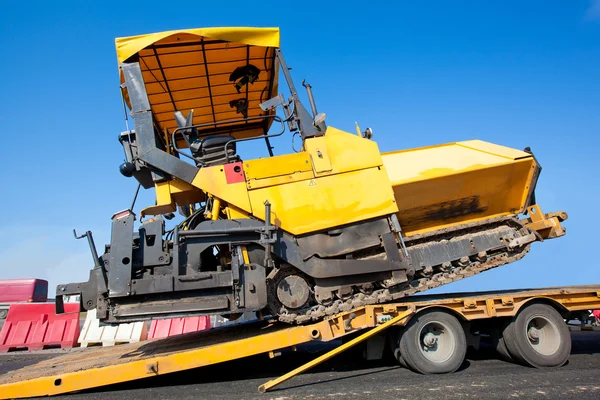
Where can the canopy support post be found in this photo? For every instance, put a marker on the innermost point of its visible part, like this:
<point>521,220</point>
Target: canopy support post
<point>148,150</point>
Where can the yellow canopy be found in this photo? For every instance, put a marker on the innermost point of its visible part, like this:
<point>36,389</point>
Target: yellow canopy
<point>191,69</point>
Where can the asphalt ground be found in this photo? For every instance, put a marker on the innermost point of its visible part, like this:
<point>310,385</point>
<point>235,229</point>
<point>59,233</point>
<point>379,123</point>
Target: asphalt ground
<point>347,376</point>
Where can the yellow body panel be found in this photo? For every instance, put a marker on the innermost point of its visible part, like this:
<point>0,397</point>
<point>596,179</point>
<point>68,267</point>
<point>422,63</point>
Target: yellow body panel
<point>170,193</point>
<point>281,179</point>
<point>345,151</point>
<point>494,149</point>
<point>317,149</point>
<point>345,183</point>
<point>353,186</point>
<point>342,178</point>
<point>328,201</point>
<point>212,180</point>
<point>233,212</point>
<point>440,186</point>
<point>278,170</point>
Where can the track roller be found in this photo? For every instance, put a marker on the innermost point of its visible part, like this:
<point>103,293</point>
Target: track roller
<point>288,289</point>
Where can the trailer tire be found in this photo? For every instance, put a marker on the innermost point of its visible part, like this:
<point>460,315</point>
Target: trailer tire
<point>538,337</point>
<point>400,359</point>
<point>394,335</point>
<point>433,342</point>
<point>502,350</point>
<point>497,339</point>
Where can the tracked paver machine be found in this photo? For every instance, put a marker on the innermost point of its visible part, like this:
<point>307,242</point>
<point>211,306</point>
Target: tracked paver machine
<point>295,237</point>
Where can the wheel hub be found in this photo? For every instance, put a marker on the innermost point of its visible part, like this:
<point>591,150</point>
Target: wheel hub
<point>543,335</point>
<point>437,342</point>
<point>533,334</point>
<point>430,340</point>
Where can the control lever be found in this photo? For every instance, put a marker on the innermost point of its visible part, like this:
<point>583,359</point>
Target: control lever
<point>90,238</point>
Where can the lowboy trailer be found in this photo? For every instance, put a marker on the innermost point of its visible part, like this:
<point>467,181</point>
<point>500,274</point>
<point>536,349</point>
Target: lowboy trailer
<point>428,334</point>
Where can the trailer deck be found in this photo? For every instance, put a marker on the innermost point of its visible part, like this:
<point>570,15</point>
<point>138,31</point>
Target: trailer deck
<point>95,367</point>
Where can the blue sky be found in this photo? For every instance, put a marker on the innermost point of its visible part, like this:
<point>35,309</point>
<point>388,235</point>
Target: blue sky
<point>418,73</point>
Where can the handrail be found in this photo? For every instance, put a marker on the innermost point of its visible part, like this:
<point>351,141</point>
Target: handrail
<point>275,118</point>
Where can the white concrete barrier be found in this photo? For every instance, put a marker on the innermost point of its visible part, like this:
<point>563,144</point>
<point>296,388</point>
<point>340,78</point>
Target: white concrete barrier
<point>92,334</point>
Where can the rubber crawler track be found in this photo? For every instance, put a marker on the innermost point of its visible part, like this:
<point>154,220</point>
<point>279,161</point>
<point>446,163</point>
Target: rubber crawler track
<point>318,312</point>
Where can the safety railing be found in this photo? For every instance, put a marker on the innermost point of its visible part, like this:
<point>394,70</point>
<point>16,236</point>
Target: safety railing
<point>231,121</point>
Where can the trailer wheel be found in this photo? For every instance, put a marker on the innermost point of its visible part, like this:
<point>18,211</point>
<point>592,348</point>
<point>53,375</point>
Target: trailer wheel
<point>393,336</point>
<point>497,340</point>
<point>399,358</point>
<point>433,342</point>
<point>538,337</point>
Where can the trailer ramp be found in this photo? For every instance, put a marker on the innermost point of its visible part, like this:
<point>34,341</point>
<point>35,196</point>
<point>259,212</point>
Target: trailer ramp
<point>95,367</point>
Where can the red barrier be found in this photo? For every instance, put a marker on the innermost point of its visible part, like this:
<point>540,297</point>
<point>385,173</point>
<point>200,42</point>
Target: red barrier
<point>36,327</point>
<point>176,326</point>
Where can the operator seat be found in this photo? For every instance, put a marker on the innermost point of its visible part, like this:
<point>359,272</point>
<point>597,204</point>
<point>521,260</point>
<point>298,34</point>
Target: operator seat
<point>210,151</point>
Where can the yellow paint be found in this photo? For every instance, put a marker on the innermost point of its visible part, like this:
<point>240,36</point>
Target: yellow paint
<point>275,382</point>
<point>342,178</point>
<point>233,212</point>
<point>270,167</point>
<point>347,183</point>
<point>216,209</point>
<point>438,161</point>
<point>281,179</point>
<point>547,225</point>
<point>245,255</point>
<point>326,201</point>
<point>128,46</point>
<point>212,180</point>
<point>441,186</point>
<point>170,193</point>
<point>138,369</point>
<point>489,303</point>
<point>184,193</point>
<point>346,152</point>
<point>317,148</point>
<point>278,170</point>
<point>495,149</point>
